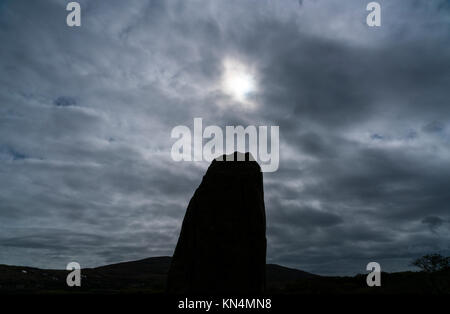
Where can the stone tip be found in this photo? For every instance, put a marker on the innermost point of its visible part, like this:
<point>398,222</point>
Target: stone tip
<point>235,162</point>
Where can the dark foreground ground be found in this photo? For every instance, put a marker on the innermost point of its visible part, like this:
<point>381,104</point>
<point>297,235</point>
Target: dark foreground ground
<point>148,276</point>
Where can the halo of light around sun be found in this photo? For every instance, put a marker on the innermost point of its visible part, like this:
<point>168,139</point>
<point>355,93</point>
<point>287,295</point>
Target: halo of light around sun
<point>238,82</point>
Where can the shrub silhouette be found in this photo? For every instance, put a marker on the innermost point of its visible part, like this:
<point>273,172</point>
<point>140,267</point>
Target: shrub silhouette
<point>432,262</point>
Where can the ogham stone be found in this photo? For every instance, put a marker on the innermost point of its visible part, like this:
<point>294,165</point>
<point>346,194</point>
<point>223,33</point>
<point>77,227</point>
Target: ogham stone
<point>222,243</point>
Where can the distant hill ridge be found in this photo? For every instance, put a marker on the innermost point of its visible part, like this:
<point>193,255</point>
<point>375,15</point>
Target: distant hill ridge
<point>145,275</point>
<point>149,276</point>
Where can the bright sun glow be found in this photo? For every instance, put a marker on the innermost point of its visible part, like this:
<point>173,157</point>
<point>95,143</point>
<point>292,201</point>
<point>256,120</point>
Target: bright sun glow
<point>238,81</point>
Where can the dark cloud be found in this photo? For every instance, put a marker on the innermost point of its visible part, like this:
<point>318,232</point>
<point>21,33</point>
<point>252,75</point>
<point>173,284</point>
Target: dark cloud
<point>87,112</point>
<point>8,153</point>
<point>433,222</point>
<point>434,127</point>
<point>64,101</point>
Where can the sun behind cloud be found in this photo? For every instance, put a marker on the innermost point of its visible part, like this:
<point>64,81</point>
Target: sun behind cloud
<point>239,82</point>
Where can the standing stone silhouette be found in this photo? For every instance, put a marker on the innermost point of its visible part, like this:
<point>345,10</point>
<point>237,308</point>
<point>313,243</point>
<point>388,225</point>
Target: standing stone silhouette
<point>222,243</point>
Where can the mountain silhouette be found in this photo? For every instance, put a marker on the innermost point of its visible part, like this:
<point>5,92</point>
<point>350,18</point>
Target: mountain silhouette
<point>149,276</point>
<point>222,243</point>
<point>143,276</point>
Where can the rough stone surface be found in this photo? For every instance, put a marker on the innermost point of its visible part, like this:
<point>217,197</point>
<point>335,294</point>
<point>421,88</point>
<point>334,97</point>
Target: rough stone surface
<point>222,244</point>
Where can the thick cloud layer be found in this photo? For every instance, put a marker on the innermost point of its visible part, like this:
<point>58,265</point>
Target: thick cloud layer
<point>86,115</point>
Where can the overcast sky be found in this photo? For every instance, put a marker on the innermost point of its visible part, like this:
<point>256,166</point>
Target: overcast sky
<point>86,115</point>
